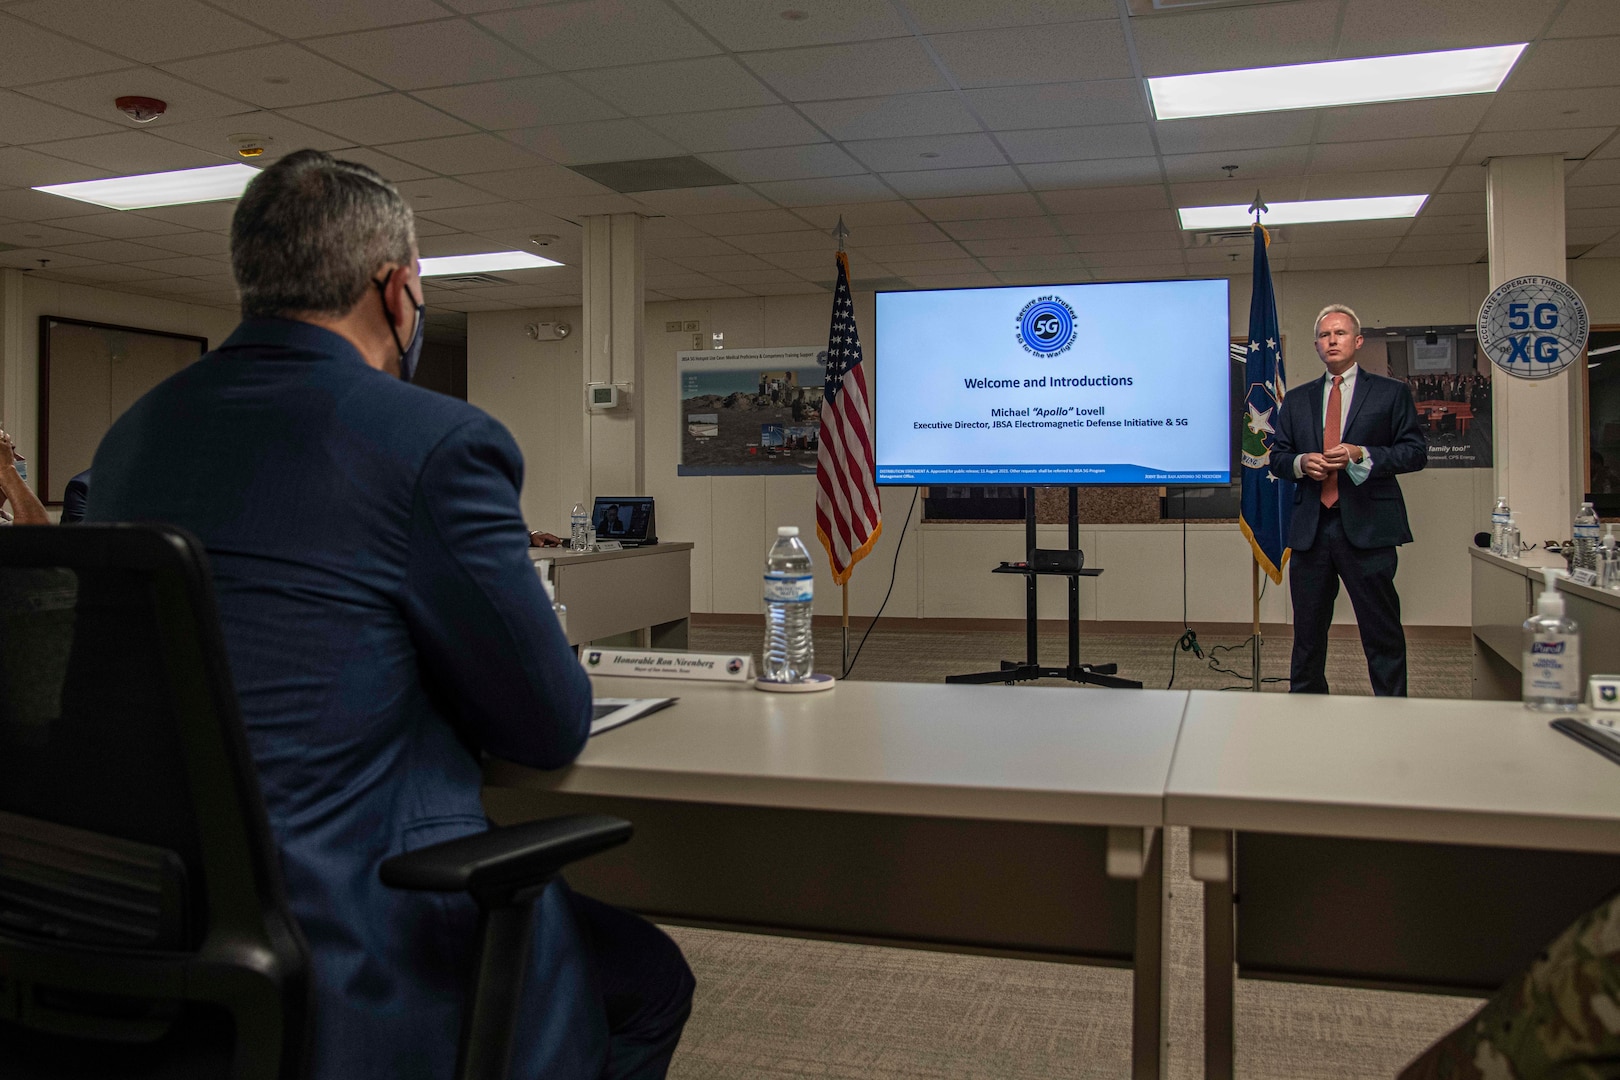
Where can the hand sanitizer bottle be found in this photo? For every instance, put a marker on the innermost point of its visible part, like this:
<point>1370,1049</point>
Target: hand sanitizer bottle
<point>1552,654</point>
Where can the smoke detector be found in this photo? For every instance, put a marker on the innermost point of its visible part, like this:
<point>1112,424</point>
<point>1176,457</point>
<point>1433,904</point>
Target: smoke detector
<point>543,239</point>
<point>142,110</point>
<point>249,146</point>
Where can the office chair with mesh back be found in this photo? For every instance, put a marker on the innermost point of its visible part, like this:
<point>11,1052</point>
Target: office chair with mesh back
<point>144,931</point>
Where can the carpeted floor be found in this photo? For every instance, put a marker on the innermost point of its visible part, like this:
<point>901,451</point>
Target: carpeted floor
<point>779,1008</point>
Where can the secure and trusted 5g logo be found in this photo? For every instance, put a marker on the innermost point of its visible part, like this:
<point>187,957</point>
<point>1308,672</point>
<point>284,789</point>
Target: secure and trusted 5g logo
<point>1533,327</point>
<point>1046,326</point>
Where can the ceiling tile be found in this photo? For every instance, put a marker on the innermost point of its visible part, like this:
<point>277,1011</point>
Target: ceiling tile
<point>192,243</point>
<point>1437,152</point>
<point>953,281</point>
<point>1527,109</point>
<point>93,95</point>
<point>1465,177</point>
<point>35,234</point>
<point>918,232</point>
<point>121,226</point>
<point>1571,142</point>
<point>437,193</point>
<point>907,252</point>
<point>1165,239</point>
<point>428,54</point>
<point>1592,217</point>
<point>1431,258</point>
<point>1579,198</point>
<point>213,135</point>
<point>274,76</point>
<point>867,69</point>
<point>947,16</point>
<point>20,167</point>
<point>29,54</point>
<point>859,215</point>
<point>1228,192</point>
<point>106,274</point>
<point>311,18</point>
<point>686,247</point>
<point>928,152</point>
<point>940,113</point>
<point>460,154</point>
<point>977,207</point>
<point>1469,241</point>
<point>1112,172</point>
<point>1009,108</point>
<point>772,243</point>
<point>455,243</point>
<point>786,163</point>
<point>1346,185</point>
<point>145,30</point>
<point>1252,164</point>
<point>600,140</point>
<point>184,265</point>
<point>1215,133</point>
<point>1366,245</point>
<point>1337,262</point>
<point>389,168</point>
<point>495,216</point>
<point>539,101</point>
<point>1566,63</point>
<point>1117,221</point>
<point>737,129</point>
<point>577,206</point>
<point>24,120</point>
<point>1262,35</point>
<point>931,267</point>
<point>1592,172</point>
<point>539,183</point>
<point>1077,143</point>
<point>130,152</point>
<point>1000,228</point>
<point>746,24</point>
<point>214,216</point>
<point>1018,245</point>
<point>1101,199</point>
<point>710,263</point>
<point>119,251</point>
<point>26,205</point>
<point>1385,27</point>
<point>381,119</point>
<point>941,183</point>
<point>1402,119</point>
<point>1584,18</point>
<point>600,33</point>
<point>710,200</point>
<point>1058,262</point>
<point>31,259</point>
<point>1064,52</point>
<point>717,82</point>
<point>1429,224</point>
<point>746,222</point>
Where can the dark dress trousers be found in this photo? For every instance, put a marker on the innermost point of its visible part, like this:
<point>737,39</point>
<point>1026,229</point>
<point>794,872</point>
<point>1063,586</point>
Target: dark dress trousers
<point>1354,541</point>
<point>383,624</point>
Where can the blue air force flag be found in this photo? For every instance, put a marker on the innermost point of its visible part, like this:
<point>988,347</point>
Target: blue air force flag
<point>1268,503</point>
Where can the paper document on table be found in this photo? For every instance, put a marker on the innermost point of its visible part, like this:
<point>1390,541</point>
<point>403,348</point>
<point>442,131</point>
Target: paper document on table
<point>609,713</point>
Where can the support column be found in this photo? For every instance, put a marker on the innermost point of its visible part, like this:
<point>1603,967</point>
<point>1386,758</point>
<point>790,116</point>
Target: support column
<point>613,273</point>
<point>1538,426</point>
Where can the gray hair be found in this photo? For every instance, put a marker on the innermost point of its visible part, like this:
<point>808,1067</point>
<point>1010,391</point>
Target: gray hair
<point>311,232</point>
<point>1336,309</point>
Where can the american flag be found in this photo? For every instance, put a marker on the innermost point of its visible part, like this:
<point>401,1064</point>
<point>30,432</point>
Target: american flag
<point>849,518</point>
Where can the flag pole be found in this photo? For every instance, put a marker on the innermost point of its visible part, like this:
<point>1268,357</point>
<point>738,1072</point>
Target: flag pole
<point>1256,208</point>
<point>841,231</point>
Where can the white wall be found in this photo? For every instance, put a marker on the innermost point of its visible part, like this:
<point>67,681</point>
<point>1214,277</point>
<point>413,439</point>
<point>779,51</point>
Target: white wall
<point>943,569</point>
<point>24,298</point>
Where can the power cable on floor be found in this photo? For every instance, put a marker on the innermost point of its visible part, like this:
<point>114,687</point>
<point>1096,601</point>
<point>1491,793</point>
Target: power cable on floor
<point>893,572</point>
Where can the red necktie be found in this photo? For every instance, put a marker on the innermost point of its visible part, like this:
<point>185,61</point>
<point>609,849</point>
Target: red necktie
<point>1330,439</point>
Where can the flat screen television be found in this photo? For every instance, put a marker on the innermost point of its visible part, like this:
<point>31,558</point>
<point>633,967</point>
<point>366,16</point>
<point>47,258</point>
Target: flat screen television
<point>1105,383</point>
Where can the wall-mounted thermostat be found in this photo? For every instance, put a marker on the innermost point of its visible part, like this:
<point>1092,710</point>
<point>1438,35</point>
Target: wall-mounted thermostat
<point>602,395</point>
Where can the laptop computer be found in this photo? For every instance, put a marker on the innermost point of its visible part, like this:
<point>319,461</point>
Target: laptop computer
<point>629,519</point>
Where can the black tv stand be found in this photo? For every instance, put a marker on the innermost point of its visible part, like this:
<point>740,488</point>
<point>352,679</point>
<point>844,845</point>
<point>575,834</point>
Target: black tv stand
<point>1013,672</point>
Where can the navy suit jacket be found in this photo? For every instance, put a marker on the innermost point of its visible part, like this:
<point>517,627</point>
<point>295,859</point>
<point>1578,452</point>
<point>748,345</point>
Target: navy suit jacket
<point>1384,422</point>
<point>75,498</point>
<point>383,624</point>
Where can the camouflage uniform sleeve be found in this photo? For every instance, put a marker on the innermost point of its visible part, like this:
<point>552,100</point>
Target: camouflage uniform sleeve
<point>1559,1020</point>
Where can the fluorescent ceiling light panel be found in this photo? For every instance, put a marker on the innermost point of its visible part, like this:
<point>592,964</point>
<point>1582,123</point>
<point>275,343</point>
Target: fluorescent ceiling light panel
<point>160,189</point>
<point>1237,216</point>
<point>483,264</point>
<point>1336,82</point>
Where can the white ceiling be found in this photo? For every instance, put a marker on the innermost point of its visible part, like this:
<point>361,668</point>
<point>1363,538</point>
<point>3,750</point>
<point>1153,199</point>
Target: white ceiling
<point>964,142</point>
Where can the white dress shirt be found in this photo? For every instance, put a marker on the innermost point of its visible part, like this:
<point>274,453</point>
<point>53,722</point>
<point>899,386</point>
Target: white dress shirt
<point>1357,471</point>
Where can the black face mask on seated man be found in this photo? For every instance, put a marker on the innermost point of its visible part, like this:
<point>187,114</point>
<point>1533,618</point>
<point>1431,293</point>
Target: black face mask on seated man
<point>408,354</point>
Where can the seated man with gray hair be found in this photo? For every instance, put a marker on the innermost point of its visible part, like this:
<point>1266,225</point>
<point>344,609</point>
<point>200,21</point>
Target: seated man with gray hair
<point>384,626</point>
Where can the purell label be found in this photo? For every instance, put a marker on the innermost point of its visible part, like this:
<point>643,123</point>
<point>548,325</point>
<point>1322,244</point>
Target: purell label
<point>1552,667</point>
<point>789,588</point>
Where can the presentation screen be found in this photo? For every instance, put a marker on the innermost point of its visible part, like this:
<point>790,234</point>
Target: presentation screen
<point>1109,383</point>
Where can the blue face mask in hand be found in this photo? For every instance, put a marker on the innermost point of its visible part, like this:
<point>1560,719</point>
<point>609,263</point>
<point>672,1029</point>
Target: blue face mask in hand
<point>408,354</point>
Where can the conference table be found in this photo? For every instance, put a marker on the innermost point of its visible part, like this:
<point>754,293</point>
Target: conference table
<point>995,820</point>
<point>1419,844</point>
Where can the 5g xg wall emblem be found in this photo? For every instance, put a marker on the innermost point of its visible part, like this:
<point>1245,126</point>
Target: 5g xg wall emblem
<point>1046,326</point>
<point>1533,327</point>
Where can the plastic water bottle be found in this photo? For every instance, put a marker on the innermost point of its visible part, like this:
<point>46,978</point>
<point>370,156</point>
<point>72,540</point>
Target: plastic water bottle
<point>1510,539</point>
<point>578,523</point>
<point>1608,560</point>
<point>1586,539</point>
<point>1499,520</point>
<point>790,650</point>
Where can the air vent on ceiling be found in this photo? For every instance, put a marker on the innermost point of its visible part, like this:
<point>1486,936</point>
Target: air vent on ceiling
<point>654,174</point>
<point>471,279</point>
<point>1235,237</point>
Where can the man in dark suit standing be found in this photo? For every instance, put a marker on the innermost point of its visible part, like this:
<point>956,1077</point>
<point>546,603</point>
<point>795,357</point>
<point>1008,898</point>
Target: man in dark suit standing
<point>1344,438</point>
<point>384,625</point>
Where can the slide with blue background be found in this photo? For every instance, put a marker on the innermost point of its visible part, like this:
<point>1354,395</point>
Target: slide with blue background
<point>1109,383</point>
